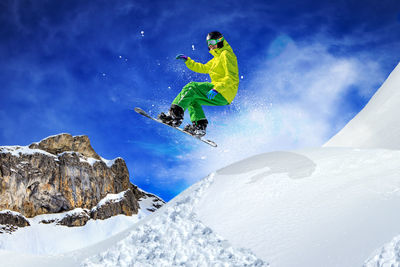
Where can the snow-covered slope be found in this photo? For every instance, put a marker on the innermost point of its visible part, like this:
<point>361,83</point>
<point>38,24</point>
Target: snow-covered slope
<point>174,236</point>
<point>322,207</point>
<point>377,125</point>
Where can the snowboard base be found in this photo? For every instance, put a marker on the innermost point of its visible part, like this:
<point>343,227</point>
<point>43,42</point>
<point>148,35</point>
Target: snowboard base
<point>144,113</point>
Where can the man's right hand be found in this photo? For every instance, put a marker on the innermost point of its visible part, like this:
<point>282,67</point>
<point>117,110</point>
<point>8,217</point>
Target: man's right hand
<point>181,57</point>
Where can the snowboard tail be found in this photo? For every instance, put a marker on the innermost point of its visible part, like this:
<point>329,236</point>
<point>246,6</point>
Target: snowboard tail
<point>144,113</point>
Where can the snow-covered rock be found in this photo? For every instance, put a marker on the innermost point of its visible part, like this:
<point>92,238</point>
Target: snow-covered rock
<point>114,204</point>
<point>11,220</point>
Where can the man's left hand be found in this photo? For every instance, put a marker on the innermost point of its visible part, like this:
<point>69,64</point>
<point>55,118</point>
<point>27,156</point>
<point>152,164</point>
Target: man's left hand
<point>211,94</point>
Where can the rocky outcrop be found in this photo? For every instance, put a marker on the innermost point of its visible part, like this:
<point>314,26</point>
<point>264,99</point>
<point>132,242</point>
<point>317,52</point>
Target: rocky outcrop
<point>62,173</point>
<point>65,142</point>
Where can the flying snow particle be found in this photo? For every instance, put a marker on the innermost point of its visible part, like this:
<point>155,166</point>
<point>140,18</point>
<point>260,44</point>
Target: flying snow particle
<point>193,48</point>
<point>241,77</point>
<point>142,33</point>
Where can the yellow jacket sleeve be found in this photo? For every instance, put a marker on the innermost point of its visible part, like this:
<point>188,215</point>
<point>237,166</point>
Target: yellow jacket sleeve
<point>198,67</point>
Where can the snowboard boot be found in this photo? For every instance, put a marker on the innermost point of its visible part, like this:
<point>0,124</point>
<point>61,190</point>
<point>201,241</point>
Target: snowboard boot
<point>174,117</point>
<point>197,128</point>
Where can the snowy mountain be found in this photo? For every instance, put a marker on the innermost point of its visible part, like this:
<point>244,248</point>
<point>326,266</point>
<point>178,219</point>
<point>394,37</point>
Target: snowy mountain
<point>330,206</point>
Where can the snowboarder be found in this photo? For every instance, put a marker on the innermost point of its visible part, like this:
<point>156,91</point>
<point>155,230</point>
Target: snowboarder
<point>224,74</point>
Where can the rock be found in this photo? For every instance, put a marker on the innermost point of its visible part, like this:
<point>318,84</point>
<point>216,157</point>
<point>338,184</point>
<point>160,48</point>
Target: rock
<point>75,219</point>
<point>8,217</point>
<point>116,204</point>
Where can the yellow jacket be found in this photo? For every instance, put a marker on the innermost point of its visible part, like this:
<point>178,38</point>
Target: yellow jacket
<point>223,71</point>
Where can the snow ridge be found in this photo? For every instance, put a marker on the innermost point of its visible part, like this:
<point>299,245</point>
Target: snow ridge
<point>174,236</point>
<point>17,151</point>
<point>376,125</point>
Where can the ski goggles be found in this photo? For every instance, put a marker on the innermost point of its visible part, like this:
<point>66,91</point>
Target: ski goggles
<point>214,41</point>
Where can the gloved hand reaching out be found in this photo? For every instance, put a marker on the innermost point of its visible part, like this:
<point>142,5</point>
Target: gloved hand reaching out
<point>181,57</point>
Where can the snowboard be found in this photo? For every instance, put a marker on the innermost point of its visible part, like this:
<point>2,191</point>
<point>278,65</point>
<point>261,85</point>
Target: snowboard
<point>144,113</point>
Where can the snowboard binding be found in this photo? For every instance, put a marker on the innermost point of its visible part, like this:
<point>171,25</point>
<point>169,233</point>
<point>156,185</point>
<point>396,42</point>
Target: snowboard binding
<point>174,117</point>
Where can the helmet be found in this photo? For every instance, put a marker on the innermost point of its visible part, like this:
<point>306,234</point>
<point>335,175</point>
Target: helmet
<point>216,36</point>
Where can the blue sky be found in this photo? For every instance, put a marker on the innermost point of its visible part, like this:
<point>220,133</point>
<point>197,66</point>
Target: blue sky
<point>306,67</point>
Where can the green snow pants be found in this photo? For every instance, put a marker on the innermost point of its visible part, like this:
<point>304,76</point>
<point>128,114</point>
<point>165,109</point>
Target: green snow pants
<point>194,95</point>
